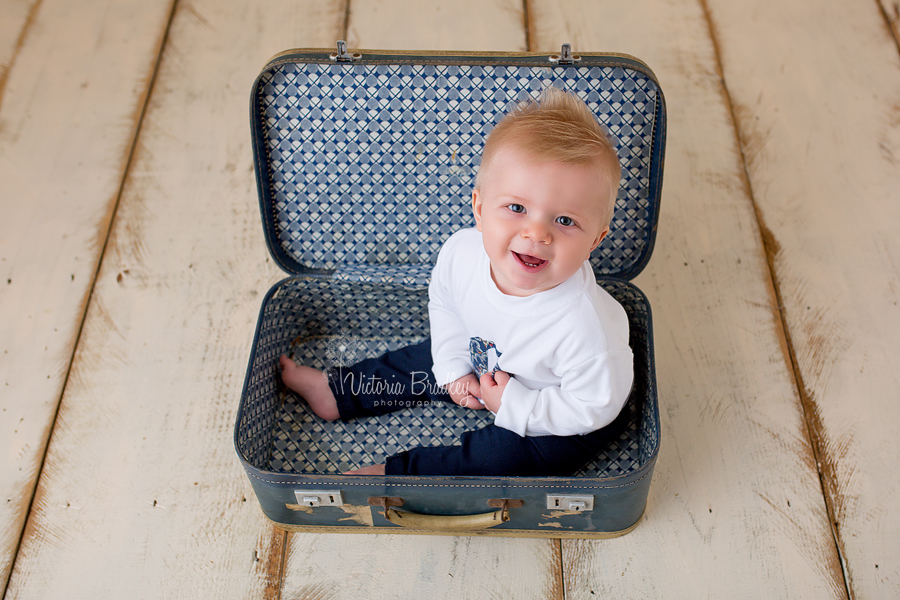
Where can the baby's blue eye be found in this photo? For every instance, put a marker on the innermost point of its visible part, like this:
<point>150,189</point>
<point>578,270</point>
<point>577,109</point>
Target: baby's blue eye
<point>565,221</point>
<point>516,208</point>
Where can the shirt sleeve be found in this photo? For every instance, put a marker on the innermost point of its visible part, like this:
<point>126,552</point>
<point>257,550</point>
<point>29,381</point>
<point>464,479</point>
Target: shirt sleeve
<point>449,342</point>
<point>589,397</point>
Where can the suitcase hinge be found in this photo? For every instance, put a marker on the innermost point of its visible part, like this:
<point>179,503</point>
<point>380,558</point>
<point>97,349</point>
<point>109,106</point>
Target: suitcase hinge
<point>505,504</point>
<point>385,502</point>
<point>565,57</point>
<point>342,55</point>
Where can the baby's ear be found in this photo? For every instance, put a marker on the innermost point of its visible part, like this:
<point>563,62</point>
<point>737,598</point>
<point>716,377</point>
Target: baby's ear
<point>476,208</point>
<point>598,240</point>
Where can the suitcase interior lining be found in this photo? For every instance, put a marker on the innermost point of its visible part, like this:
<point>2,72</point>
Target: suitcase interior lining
<point>323,322</point>
<point>373,164</point>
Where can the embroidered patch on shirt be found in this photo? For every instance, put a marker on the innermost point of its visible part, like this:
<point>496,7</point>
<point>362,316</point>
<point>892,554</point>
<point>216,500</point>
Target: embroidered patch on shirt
<point>484,356</point>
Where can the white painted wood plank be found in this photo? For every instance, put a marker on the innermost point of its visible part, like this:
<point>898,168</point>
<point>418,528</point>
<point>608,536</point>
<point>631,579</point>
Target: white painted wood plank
<point>68,116</point>
<point>142,495</point>
<point>414,566</point>
<point>735,507</point>
<point>418,566</point>
<point>497,25</point>
<point>818,106</point>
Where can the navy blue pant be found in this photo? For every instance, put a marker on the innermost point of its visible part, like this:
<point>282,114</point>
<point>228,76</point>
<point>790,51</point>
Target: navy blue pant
<point>403,378</point>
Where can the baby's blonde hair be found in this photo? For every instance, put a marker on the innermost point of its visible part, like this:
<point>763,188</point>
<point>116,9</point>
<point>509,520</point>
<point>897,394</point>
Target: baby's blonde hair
<point>557,126</point>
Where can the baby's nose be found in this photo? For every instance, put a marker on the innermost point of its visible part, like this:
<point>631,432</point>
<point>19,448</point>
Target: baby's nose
<point>536,232</point>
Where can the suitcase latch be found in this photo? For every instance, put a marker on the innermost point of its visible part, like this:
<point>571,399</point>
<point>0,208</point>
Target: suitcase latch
<point>342,55</point>
<point>313,498</point>
<point>570,503</point>
<point>565,57</point>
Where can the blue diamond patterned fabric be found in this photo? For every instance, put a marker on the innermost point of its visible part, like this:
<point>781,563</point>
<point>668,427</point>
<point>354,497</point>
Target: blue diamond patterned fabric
<point>374,164</point>
<point>323,322</point>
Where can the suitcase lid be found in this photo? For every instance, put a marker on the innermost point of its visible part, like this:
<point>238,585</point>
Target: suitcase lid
<point>365,162</point>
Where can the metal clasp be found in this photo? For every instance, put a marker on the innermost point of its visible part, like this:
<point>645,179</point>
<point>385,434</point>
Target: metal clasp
<point>565,57</point>
<point>342,55</point>
<point>313,498</point>
<point>574,503</point>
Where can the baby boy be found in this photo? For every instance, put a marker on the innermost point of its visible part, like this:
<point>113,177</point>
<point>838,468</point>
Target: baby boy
<point>519,325</point>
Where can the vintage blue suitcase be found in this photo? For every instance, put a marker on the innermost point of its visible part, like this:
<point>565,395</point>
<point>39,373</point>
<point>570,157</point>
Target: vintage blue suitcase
<point>365,163</point>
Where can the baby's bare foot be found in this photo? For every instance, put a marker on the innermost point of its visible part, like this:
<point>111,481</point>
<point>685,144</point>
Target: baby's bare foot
<point>312,385</point>
<point>372,470</point>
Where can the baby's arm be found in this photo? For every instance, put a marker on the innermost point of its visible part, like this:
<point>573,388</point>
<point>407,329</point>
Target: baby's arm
<point>492,386</point>
<point>465,391</point>
<point>589,397</point>
<point>449,339</point>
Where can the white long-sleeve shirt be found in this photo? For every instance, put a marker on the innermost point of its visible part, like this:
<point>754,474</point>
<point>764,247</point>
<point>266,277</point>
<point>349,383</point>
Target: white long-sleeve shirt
<point>566,349</point>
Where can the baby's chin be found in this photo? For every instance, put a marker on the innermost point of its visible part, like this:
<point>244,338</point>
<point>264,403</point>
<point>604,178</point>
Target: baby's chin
<point>523,289</point>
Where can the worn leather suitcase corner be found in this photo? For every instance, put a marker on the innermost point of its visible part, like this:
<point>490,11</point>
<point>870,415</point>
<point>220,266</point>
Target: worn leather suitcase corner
<point>365,163</point>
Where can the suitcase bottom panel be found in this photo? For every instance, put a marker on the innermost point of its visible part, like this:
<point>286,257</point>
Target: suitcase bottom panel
<point>322,322</point>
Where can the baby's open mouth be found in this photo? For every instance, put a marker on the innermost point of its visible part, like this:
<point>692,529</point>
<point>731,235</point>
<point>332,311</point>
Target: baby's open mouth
<point>529,261</point>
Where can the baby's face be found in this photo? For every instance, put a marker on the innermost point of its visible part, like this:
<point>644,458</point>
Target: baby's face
<point>540,220</point>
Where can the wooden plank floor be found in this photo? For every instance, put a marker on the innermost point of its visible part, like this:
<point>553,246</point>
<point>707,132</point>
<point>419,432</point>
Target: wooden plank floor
<point>133,266</point>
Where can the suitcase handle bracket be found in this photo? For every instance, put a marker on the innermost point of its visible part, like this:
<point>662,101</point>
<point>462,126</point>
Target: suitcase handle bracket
<point>565,56</point>
<point>342,55</point>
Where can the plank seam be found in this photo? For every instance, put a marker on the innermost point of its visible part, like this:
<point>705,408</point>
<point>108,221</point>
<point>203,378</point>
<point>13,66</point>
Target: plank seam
<point>278,586</point>
<point>890,22</point>
<point>20,41</point>
<point>345,27</point>
<point>561,575</point>
<point>824,462</point>
<point>526,24</point>
<point>125,173</point>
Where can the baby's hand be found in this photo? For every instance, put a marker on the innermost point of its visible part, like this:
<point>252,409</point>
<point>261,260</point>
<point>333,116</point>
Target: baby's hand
<point>492,386</point>
<point>465,391</point>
